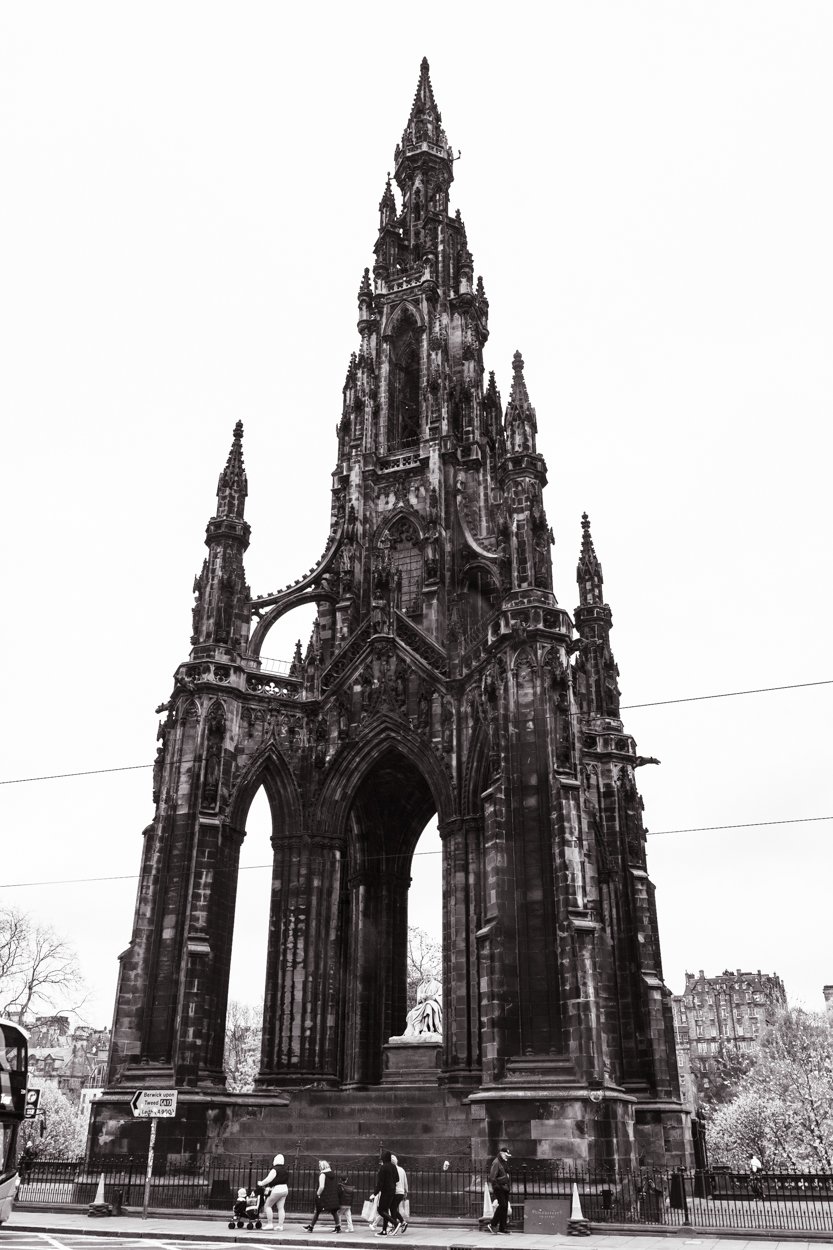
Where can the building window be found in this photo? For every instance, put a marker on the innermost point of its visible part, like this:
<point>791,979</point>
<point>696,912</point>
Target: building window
<point>406,566</point>
<point>403,404</point>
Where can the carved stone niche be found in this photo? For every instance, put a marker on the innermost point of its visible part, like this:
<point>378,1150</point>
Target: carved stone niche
<point>412,1060</point>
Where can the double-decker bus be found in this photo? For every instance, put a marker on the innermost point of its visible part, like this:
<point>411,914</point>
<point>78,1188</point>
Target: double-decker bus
<point>14,1067</point>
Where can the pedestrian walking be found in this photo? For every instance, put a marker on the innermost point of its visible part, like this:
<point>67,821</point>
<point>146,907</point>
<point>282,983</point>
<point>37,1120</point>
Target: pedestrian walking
<point>399,1205</point>
<point>387,1179</point>
<point>500,1185</point>
<point>276,1187</point>
<point>755,1186</point>
<point>346,1193</point>
<point>27,1158</point>
<point>326,1196</point>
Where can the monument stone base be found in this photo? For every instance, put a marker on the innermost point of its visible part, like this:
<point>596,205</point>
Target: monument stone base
<point>412,1060</point>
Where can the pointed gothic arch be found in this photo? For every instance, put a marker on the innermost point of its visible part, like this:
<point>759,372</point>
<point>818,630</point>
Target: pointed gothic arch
<point>405,380</point>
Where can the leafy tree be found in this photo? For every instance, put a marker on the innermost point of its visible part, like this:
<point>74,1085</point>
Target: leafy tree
<point>718,1076</point>
<point>241,1058</point>
<point>64,1131</point>
<point>783,1111</point>
<point>425,959</point>
<point>38,968</point>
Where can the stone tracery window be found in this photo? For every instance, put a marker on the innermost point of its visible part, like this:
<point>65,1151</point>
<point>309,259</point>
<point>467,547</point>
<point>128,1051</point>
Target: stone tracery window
<point>406,566</point>
<point>403,395</point>
<point>480,598</point>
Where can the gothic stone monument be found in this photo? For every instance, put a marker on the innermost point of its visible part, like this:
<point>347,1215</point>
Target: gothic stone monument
<point>442,677</point>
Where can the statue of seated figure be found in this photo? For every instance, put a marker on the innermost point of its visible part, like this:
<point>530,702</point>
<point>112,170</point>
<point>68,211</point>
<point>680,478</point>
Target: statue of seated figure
<point>425,1021</point>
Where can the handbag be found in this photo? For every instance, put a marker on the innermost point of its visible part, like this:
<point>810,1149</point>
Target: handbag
<point>370,1206</point>
<point>405,1208</point>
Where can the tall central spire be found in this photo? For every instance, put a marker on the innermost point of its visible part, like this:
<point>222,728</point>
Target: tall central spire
<point>423,131</point>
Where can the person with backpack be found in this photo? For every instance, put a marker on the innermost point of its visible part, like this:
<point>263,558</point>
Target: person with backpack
<point>345,1202</point>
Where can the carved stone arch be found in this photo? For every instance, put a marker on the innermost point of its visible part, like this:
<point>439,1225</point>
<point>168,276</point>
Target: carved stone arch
<point>312,595</point>
<point>524,658</point>
<point>406,377</point>
<point>481,593</point>
<point>401,536</point>
<point>267,768</point>
<point>404,312</point>
<point>191,710</point>
<point>400,513</point>
<point>476,776</point>
<point>380,734</point>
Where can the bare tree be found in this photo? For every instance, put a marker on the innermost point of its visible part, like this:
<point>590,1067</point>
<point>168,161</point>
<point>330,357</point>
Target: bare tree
<point>425,960</point>
<point>38,968</point>
<point>244,1030</point>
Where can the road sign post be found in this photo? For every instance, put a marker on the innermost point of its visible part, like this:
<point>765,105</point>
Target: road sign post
<point>149,1173</point>
<point>153,1105</point>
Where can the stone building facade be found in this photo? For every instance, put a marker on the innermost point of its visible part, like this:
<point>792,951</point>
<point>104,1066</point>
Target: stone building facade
<point>442,677</point>
<point>730,1009</point>
<point>71,1059</point>
<point>715,1016</point>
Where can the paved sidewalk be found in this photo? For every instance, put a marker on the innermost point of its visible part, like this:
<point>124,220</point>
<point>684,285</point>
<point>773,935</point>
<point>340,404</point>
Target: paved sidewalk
<point>214,1229</point>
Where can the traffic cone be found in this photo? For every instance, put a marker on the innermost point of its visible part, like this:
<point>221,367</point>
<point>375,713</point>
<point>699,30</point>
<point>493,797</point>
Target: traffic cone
<point>577,1225</point>
<point>98,1206</point>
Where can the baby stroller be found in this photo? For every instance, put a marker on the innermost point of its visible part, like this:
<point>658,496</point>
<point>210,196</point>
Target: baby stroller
<point>246,1209</point>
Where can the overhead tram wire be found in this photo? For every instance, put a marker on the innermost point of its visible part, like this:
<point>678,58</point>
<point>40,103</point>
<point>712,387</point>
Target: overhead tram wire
<point>660,833</point>
<point>625,707</point>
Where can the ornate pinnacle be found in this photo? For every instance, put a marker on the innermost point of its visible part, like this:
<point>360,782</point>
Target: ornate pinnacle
<point>424,125</point>
<point>365,289</point>
<point>424,101</point>
<point>521,423</point>
<point>232,488</point>
<point>589,571</point>
<point>387,206</point>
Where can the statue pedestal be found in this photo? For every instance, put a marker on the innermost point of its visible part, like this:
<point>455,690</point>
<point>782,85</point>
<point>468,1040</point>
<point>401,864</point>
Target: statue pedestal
<point>412,1060</point>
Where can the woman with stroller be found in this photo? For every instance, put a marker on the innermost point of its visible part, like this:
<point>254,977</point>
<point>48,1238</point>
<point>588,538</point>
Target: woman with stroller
<point>326,1197</point>
<point>276,1185</point>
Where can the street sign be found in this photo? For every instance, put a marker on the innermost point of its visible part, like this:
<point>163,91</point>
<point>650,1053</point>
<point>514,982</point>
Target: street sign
<point>30,1108</point>
<point>154,1104</point>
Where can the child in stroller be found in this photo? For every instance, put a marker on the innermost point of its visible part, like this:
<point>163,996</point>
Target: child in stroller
<point>246,1209</point>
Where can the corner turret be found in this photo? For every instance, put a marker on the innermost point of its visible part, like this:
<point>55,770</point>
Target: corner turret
<point>597,685</point>
<point>220,616</point>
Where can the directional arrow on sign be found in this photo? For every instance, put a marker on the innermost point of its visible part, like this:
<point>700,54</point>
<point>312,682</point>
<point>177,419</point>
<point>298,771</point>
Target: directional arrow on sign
<point>152,1103</point>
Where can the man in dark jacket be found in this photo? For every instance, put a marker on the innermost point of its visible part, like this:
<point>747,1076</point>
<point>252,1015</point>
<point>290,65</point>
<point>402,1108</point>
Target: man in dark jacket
<point>499,1185</point>
<point>386,1180</point>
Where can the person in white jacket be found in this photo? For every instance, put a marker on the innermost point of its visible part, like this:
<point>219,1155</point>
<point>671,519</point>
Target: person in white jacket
<point>277,1184</point>
<point>401,1195</point>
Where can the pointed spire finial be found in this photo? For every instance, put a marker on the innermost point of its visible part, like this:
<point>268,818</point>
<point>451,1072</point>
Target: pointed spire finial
<point>232,488</point>
<point>589,571</point>
<point>387,206</point>
<point>424,102</point>
<point>424,132</point>
<point>521,423</point>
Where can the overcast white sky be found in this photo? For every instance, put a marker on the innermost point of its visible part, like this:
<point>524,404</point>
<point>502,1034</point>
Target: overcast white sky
<point>190,196</point>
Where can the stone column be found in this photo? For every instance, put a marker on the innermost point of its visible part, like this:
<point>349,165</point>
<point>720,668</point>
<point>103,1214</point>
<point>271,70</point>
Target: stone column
<point>362,997</point>
<point>461,1012</point>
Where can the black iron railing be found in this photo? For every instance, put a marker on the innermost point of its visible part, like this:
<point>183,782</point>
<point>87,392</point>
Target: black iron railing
<point>717,1198</point>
